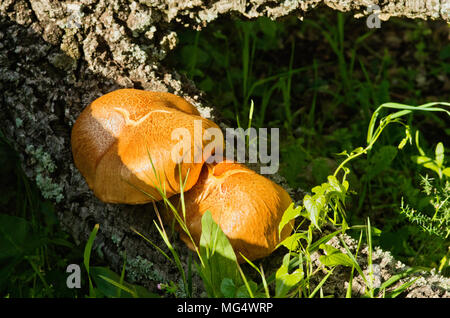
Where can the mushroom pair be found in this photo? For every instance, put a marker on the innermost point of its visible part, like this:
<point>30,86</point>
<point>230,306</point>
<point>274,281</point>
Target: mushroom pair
<point>122,144</point>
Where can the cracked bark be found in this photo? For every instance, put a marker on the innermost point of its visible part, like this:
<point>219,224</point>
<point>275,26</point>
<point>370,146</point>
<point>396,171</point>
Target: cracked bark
<point>55,58</point>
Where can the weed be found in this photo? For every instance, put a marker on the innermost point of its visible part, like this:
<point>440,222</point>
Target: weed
<point>34,255</point>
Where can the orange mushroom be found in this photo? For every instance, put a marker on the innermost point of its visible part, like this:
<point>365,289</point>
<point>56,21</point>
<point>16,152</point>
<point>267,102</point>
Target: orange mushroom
<point>122,144</point>
<point>247,206</point>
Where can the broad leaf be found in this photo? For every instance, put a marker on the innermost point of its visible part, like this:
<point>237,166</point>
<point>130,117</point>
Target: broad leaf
<point>334,257</point>
<point>20,241</point>
<point>285,281</point>
<point>242,291</point>
<point>314,206</point>
<point>288,216</point>
<point>439,152</point>
<point>228,288</point>
<point>292,242</point>
<point>446,172</point>
<point>218,257</point>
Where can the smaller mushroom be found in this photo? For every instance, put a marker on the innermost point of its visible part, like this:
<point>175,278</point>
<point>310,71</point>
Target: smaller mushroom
<point>247,206</point>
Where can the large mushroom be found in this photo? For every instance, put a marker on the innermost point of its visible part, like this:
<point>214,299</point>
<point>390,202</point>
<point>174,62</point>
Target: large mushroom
<point>247,206</point>
<point>123,145</point>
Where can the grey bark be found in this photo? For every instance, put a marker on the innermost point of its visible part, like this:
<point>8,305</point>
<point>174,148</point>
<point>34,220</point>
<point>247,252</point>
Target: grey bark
<point>57,57</point>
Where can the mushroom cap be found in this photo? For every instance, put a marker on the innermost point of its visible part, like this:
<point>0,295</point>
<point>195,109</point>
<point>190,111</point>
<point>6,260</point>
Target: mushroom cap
<point>114,138</point>
<point>247,206</point>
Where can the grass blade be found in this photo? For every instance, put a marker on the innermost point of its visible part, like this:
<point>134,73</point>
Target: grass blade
<point>350,283</point>
<point>318,287</point>
<point>87,257</point>
<point>261,273</point>
<point>152,244</point>
<point>118,285</point>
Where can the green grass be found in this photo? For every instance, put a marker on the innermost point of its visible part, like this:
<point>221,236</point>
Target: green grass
<point>327,205</point>
<point>321,80</point>
<point>34,251</point>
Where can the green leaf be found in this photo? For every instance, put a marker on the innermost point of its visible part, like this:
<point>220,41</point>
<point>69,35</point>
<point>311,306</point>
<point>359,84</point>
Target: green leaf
<point>321,189</point>
<point>228,288</point>
<point>314,206</point>
<point>242,291</point>
<point>334,257</point>
<point>421,159</point>
<point>218,257</point>
<point>426,162</point>
<point>337,188</point>
<point>335,184</point>
<point>105,282</point>
<point>439,154</point>
<point>292,242</point>
<point>284,282</point>
<point>422,153</point>
<point>343,153</point>
<point>345,183</point>
<point>87,257</point>
<point>289,215</point>
<point>108,282</point>
<point>263,278</point>
<point>357,150</point>
<point>446,171</point>
<point>17,238</point>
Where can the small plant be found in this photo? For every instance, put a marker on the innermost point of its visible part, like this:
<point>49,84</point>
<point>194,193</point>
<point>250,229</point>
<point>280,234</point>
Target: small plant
<point>435,220</point>
<point>218,267</point>
<point>327,204</point>
<point>439,223</point>
<point>34,251</point>
<point>103,282</point>
<point>223,277</point>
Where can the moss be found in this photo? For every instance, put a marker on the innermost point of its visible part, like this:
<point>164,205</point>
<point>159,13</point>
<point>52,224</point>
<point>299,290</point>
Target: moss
<point>139,269</point>
<point>45,162</point>
<point>19,122</point>
<point>44,167</point>
<point>49,189</point>
<point>116,239</point>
